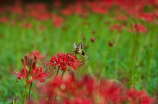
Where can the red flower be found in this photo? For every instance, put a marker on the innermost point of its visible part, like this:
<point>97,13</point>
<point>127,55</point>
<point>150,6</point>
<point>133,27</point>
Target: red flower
<point>92,39</point>
<point>36,54</point>
<point>39,74</point>
<point>100,10</point>
<point>42,27</point>
<point>138,97</point>
<point>66,11</point>
<point>89,91</point>
<point>110,91</point>
<point>23,74</point>
<point>3,19</point>
<point>17,9</point>
<point>30,69</point>
<point>147,16</point>
<point>57,3</point>
<point>42,16</point>
<point>27,25</point>
<point>138,28</point>
<point>58,21</point>
<point>122,17</point>
<point>117,27</point>
<point>65,61</point>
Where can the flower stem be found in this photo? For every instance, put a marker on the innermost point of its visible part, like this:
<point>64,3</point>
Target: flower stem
<point>25,93</point>
<point>29,92</point>
<point>57,73</point>
<point>62,75</point>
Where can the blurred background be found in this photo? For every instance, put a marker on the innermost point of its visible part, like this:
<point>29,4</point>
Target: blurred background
<point>119,36</point>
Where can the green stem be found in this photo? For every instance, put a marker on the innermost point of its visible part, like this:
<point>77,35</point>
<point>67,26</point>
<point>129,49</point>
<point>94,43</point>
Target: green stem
<point>29,92</point>
<point>25,93</point>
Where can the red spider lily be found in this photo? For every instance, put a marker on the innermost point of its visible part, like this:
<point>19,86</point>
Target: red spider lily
<point>69,90</point>
<point>112,92</point>
<point>42,27</point>
<point>138,97</point>
<point>147,17</point>
<point>43,16</point>
<point>65,61</point>
<point>17,9</point>
<point>39,74</point>
<point>57,3</point>
<point>27,25</point>
<point>36,54</point>
<point>117,27</point>
<point>58,21</point>
<point>122,17</point>
<point>99,10</point>
<point>78,9</point>
<point>23,74</point>
<point>66,11</point>
<point>3,19</point>
<point>30,70</point>
<point>138,28</point>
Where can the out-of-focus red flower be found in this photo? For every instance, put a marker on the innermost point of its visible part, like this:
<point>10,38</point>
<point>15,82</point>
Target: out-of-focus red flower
<point>111,91</point>
<point>3,19</point>
<point>65,61</point>
<point>92,39</point>
<point>147,17</point>
<point>57,3</point>
<point>17,9</point>
<point>58,21</point>
<point>36,54</point>
<point>12,22</point>
<point>89,91</point>
<point>99,10</point>
<point>27,25</point>
<point>43,16</point>
<point>138,28</point>
<point>42,27</point>
<point>122,18</point>
<point>66,11</point>
<point>138,97</point>
<point>78,9</point>
<point>117,27</point>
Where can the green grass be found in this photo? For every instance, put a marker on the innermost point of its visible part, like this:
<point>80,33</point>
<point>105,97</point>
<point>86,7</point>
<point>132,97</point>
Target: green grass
<point>133,58</point>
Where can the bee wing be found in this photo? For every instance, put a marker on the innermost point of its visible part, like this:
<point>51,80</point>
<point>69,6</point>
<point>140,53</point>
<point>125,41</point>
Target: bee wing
<point>80,45</point>
<point>75,46</point>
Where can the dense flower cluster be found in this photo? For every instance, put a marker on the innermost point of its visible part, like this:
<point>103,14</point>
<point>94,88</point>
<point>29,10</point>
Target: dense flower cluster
<point>30,71</point>
<point>64,61</point>
<point>69,90</point>
<point>40,12</point>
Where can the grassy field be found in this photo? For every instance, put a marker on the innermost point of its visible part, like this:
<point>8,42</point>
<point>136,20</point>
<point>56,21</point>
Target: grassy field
<point>128,56</point>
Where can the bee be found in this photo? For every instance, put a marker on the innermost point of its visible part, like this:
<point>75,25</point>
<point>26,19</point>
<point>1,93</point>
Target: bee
<point>78,49</point>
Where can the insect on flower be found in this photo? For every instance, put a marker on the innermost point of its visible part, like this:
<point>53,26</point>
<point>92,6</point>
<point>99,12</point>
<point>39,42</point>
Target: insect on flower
<point>78,48</point>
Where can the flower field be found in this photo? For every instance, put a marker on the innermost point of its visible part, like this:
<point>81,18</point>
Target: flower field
<point>81,52</point>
